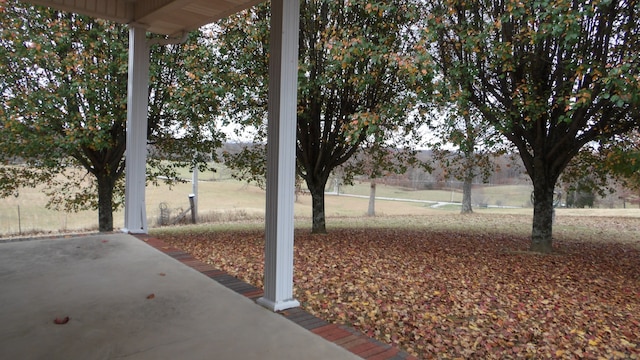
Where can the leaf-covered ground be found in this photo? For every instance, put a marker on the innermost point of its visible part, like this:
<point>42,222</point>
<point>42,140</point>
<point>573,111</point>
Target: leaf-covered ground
<point>451,295</point>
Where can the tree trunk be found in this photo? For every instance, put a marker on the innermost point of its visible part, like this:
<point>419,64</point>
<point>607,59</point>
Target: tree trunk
<point>372,199</point>
<point>466,194</point>
<point>105,202</point>
<point>317,206</point>
<point>469,163</point>
<point>541,235</point>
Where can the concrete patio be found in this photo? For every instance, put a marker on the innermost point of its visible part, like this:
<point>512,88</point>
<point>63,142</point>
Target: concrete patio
<point>127,300</point>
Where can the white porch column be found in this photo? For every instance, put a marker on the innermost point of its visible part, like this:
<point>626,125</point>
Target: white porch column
<point>281,156</point>
<point>135,213</point>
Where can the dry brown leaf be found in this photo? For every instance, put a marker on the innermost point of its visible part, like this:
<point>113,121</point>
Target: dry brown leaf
<point>61,320</point>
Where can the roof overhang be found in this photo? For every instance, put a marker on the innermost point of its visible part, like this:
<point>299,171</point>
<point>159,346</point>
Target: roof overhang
<point>167,17</point>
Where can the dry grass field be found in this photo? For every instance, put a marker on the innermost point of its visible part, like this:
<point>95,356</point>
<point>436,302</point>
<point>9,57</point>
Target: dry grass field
<point>225,200</point>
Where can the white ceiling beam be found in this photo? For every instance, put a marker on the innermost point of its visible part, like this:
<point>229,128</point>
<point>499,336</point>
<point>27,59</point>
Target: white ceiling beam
<point>167,17</point>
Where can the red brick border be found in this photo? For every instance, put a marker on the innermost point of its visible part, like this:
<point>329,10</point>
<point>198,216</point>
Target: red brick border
<point>344,336</point>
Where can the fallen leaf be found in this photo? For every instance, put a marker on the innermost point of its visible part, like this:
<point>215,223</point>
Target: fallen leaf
<point>455,294</point>
<point>61,321</point>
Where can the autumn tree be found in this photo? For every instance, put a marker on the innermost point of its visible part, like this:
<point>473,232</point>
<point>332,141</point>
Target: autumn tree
<point>63,110</point>
<point>360,71</point>
<point>465,146</point>
<point>550,75</point>
<point>623,160</point>
<point>610,165</point>
<point>375,160</point>
<point>463,142</point>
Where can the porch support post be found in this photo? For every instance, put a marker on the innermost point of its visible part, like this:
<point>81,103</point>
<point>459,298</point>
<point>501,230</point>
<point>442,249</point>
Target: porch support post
<point>281,156</point>
<point>135,214</point>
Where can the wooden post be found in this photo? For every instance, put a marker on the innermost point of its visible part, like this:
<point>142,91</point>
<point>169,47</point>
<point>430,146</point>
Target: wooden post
<point>19,222</point>
<point>194,192</point>
<point>192,204</point>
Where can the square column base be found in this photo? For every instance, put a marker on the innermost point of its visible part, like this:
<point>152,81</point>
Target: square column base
<point>278,306</point>
<point>135,231</point>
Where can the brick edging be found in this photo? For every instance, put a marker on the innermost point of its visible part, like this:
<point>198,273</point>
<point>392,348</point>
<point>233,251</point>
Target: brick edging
<point>344,336</point>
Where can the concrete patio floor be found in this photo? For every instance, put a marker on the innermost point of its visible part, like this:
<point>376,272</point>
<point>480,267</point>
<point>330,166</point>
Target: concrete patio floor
<point>127,300</point>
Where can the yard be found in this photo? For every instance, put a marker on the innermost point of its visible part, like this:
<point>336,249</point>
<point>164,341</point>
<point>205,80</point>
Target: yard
<point>426,279</point>
<point>452,286</point>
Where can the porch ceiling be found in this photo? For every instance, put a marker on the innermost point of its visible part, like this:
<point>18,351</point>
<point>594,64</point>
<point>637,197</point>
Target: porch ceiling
<point>168,17</point>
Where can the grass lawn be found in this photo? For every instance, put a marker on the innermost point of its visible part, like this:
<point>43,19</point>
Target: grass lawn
<point>450,286</point>
<point>219,199</point>
<point>222,199</point>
